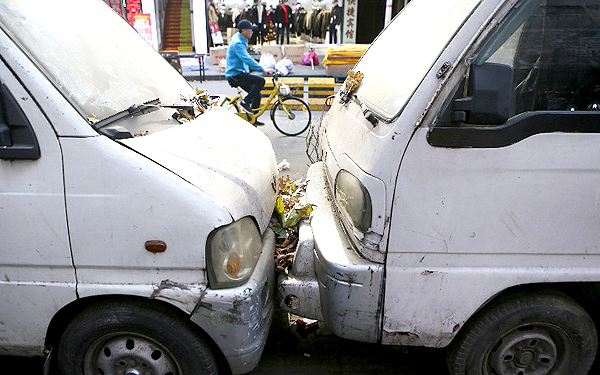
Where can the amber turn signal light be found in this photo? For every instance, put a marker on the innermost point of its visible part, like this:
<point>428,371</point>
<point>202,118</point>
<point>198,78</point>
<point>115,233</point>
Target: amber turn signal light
<point>156,246</point>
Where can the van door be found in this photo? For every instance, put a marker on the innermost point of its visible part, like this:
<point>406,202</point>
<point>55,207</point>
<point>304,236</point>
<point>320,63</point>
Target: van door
<point>36,273</point>
<point>502,187</point>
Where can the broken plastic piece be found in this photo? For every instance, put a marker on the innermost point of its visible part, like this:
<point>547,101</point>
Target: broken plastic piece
<point>305,325</point>
<point>283,165</point>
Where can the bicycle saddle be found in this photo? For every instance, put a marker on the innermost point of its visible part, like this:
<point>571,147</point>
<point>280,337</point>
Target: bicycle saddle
<point>233,83</point>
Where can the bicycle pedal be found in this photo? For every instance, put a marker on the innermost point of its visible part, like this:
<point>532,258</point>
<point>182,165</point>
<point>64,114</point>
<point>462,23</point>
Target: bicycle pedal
<point>246,107</point>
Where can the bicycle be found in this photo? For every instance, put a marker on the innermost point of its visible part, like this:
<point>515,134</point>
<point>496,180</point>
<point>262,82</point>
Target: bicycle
<point>290,115</point>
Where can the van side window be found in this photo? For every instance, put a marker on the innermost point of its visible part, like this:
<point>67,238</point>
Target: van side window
<point>538,72</point>
<point>556,62</point>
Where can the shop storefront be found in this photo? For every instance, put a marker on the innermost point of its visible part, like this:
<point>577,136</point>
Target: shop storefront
<point>212,22</point>
<point>283,22</point>
<point>142,15</point>
<point>329,34</point>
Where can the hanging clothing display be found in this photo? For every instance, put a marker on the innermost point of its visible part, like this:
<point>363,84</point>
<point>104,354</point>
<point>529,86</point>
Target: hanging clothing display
<point>213,24</point>
<point>334,23</point>
<point>258,16</point>
<point>225,19</point>
<point>283,20</point>
<point>319,24</point>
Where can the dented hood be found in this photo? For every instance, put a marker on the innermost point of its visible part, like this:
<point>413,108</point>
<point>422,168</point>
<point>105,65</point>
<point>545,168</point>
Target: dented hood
<point>223,156</point>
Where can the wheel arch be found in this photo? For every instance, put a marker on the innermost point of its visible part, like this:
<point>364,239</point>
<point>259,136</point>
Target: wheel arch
<point>530,327</point>
<point>67,313</point>
<point>586,294</point>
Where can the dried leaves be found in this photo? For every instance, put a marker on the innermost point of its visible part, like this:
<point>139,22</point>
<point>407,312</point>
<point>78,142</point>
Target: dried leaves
<point>289,210</point>
<point>284,253</point>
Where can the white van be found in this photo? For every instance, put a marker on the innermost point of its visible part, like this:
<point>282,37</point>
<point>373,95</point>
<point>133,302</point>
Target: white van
<point>458,196</point>
<point>130,243</point>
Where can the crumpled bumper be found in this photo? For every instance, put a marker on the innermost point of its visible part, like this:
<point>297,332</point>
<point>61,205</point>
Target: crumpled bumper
<point>238,319</point>
<point>329,280</point>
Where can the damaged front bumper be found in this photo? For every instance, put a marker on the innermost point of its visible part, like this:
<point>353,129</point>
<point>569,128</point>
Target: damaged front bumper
<point>238,319</point>
<point>329,280</point>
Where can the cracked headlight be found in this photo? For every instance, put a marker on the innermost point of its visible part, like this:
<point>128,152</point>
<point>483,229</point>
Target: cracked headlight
<point>353,200</point>
<point>233,252</point>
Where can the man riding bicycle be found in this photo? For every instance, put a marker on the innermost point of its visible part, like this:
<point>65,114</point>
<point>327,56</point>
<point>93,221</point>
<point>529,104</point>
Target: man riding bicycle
<point>239,65</point>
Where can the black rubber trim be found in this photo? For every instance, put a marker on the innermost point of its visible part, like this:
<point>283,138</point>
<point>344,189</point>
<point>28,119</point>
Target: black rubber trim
<point>18,138</point>
<point>515,129</point>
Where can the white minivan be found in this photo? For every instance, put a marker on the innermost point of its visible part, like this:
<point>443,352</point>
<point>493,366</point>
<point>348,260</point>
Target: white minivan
<point>458,193</point>
<point>130,243</point>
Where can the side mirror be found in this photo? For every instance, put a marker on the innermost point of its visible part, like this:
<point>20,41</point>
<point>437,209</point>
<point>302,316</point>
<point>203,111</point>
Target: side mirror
<point>490,94</point>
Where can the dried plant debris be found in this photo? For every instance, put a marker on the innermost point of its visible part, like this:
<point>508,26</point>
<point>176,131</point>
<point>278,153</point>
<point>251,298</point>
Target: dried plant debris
<point>284,253</point>
<point>141,133</point>
<point>201,102</point>
<point>290,208</point>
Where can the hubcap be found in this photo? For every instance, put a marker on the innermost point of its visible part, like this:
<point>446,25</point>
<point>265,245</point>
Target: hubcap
<point>129,354</point>
<point>532,349</point>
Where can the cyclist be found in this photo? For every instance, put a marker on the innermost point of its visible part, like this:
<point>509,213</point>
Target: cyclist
<point>239,65</point>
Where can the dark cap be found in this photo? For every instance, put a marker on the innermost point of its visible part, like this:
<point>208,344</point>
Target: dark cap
<point>245,24</point>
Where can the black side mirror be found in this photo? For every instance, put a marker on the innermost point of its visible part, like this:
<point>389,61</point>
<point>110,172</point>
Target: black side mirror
<point>490,94</point>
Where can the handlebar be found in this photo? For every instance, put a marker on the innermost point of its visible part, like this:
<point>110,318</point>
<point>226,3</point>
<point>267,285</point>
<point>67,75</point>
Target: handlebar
<point>275,77</point>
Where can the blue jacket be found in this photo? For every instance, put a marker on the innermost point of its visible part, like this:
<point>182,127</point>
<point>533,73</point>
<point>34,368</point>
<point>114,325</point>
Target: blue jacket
<point>238,59</point>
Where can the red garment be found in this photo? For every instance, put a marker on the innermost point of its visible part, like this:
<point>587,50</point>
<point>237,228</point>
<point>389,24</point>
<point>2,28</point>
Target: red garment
<point>285,11</point>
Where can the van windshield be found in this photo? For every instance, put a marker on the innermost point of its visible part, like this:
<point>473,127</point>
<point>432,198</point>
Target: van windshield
<point>400,57</point>
<point>98,62</point>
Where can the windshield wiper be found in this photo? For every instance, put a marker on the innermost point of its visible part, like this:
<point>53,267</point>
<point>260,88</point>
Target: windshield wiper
<point>147,107</point>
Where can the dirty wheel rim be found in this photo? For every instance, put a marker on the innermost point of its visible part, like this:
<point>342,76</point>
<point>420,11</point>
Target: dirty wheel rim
<point>128,353</point>
<point>530,349</point>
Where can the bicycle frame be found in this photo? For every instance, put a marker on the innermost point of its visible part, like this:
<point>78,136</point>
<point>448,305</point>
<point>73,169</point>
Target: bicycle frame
<point>251,117</point>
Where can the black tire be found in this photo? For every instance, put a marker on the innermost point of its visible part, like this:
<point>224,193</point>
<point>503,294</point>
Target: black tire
<point>113,336</point>
<point>529,334</point>
<point>300,116</point>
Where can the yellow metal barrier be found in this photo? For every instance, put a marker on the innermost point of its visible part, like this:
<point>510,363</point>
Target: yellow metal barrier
<point>319,89</point>
<point>296,88</point>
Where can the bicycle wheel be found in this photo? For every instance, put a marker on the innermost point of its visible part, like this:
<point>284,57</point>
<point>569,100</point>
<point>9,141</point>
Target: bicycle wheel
<point>291,116</point>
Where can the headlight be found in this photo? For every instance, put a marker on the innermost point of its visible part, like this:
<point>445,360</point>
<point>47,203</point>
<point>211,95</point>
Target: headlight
<point>232,253</point>
<point>354,200</point>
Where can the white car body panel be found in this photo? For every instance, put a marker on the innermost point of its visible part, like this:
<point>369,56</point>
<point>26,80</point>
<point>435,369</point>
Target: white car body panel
<point>458,225</point>
<point>35,260</point>
<point>74,222</point>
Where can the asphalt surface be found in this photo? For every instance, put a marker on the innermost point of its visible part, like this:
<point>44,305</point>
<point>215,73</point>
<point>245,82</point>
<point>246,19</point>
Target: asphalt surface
<point>292,352</point>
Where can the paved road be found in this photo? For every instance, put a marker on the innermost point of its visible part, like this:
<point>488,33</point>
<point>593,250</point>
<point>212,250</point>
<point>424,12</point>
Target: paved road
<point>289,353</point>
